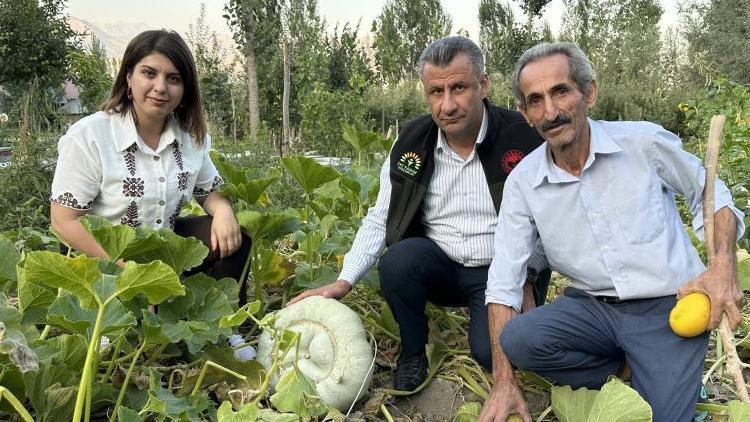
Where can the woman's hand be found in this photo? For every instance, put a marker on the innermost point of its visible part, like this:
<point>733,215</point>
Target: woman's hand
<point>225,232</point>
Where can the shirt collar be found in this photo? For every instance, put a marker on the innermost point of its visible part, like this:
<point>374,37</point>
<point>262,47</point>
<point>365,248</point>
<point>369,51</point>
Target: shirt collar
<point>442,144</point>
<point>601,143</point>
<point>126,134</point>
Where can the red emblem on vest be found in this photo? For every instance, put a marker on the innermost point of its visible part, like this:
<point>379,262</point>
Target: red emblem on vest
<point>511,159</point>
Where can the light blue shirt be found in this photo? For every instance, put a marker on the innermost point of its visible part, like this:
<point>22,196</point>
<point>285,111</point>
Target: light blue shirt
<point>614,231</point>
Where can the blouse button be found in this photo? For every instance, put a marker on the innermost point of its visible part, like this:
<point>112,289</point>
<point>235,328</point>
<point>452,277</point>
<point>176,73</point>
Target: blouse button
<point>156,158</point>
<point>161,202</point>
<point>161,179</point>
<point>158,221</point>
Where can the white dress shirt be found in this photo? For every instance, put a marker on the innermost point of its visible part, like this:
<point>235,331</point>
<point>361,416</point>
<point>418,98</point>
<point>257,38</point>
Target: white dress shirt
<point>458,213</point>
<point>615,231</point>
<point>105,169</point>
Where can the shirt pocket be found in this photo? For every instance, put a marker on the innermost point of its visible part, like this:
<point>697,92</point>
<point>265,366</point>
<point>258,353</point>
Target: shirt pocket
<point>641,217</point>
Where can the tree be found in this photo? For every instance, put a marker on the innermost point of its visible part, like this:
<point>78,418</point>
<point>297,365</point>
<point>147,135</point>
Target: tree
<point>213,75</point>
<point>503,38</point>
<point>35,40</point>
<point>402,30</point>
<point>500,36</point>
<point>719,37</point>
<point>89,70</point>
<point>255,26</point>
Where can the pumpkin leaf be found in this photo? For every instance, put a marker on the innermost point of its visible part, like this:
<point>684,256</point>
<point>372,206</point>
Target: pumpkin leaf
<point>268,415</point>
<point>308,173</point>
<point>155,280</point>
<point>76,275</point>
<point>268,226</point>
<point>180,253</point>
<point>67,313</point>
<point>296,393</point>
<point>270,268</point>
<point>125,414</point>
<point>468,412</point>
<point>572,405</point>
<point>246,413</point>
<point>9,258</point>
<point>113,239</point>
<point>738,411</point>
<point>240,316</point>
<point>162,402</point>
<point>33,299</point>
<point>743,269</point>
<point>614,402</point>
<point>359,139</point>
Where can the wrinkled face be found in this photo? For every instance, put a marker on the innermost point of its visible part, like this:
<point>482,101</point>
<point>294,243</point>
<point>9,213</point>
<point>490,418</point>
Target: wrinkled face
<point>554,104</point>
<point>454,94</point>
<point>157,87</point>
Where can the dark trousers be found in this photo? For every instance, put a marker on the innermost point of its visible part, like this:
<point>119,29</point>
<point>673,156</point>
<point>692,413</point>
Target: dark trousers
<point>416,270</point>
<point>578,340</point>
<point>231,266</point>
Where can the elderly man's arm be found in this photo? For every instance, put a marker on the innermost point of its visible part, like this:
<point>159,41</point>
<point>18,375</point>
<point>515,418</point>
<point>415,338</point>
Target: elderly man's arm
<point>683,173</point>
<point>719,281</point>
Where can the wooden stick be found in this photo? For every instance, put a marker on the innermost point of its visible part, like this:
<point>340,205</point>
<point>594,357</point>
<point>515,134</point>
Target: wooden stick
<point>734,365</point>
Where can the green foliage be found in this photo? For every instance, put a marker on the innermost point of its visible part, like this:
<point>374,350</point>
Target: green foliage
<point>322,112</point>
<point>308,173</point>
<point>468,412</point>
<point>733,101</point>
<point>614,402</point>
<point>35,39</point>
<point>295,393</point>
<point>90,72</point>
<point>402,30</point>
<point>717,37</point>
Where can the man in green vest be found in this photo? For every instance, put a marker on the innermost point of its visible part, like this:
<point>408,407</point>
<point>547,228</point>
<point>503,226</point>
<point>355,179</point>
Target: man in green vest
<point>440,192</point>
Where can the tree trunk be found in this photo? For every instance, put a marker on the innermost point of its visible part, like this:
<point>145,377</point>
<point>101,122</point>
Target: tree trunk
<point>234,117</point>
<point>252,83</point>
<point>286,139</point>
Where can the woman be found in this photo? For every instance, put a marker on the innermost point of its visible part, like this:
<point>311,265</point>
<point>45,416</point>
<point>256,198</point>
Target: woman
<point>138,160</point>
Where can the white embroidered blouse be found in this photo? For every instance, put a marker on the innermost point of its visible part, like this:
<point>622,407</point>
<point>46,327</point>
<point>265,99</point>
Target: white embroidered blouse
<point>105,169</point>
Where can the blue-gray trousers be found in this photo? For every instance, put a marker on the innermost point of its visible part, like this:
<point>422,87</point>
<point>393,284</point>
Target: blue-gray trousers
<point>578,340</point>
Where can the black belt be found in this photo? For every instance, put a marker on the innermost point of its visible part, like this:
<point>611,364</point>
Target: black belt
<point>612,300</point>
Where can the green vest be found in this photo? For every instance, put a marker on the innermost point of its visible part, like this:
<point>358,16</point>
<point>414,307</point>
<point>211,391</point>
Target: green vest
<point>509,138</point>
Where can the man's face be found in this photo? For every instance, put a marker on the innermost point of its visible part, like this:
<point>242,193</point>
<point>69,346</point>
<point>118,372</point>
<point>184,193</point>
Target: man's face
<point>455,95</point>
<point>554,104</point>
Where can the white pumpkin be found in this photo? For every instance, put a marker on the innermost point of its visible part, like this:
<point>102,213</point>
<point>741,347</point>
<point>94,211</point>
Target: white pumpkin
<point>333,352</point>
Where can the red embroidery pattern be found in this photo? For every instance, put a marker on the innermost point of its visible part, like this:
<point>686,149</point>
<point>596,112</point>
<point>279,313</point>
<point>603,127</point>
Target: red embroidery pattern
<point>67,200</point>
<point>132,187</point>
<point>131,216</point>
<point>511,159</point>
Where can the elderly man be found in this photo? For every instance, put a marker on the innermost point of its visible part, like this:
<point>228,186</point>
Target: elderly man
<point>600,197</point>
<point>440,192</point>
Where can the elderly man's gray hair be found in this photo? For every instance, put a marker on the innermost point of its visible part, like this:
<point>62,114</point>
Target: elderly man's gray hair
<point>581,70</point>
<point>442,52</point>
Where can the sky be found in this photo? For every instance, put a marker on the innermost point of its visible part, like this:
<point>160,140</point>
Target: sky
<point>178,14</point>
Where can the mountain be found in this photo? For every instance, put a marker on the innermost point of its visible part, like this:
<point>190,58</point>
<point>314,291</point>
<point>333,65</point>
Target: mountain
<point>115,36</point>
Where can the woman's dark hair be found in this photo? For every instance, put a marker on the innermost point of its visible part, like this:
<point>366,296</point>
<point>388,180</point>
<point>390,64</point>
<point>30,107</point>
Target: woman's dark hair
<point>189,113</point>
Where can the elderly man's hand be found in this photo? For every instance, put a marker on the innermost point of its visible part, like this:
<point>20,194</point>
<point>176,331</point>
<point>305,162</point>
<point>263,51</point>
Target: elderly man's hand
<point>719,283</point>
<point>505,399</point>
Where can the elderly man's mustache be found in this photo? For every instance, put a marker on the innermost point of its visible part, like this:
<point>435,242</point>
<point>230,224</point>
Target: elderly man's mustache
<point>561,119</point>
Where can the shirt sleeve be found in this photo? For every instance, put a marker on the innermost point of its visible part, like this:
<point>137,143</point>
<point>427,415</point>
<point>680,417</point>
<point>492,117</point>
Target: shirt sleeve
<point>208,179</point>
<point>78,172</point>
<point>684,173</point>
<point>516,240</point>
<point>370,239</point>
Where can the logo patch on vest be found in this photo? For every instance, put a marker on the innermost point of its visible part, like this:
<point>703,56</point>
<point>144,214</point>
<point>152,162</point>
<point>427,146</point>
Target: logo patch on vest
<point>511,159</point>
<point>409,163</point>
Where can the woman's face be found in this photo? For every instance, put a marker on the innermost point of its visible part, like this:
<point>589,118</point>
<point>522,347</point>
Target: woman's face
<point>156,86</point>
